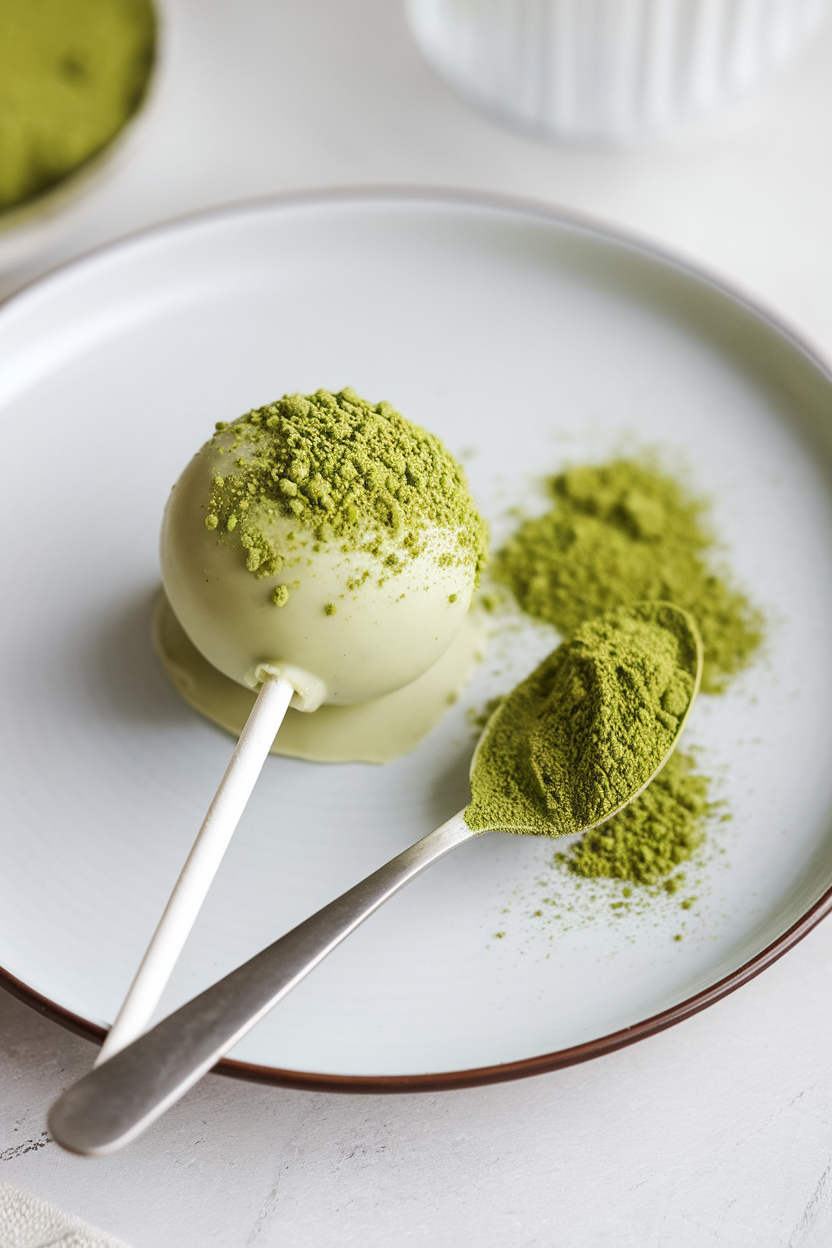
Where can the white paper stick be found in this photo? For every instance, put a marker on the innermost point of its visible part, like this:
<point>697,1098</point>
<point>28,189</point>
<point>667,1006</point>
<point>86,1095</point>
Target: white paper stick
<point>203,861</point>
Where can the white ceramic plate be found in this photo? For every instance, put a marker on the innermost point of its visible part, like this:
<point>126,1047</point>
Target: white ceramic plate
<point>524,340</point>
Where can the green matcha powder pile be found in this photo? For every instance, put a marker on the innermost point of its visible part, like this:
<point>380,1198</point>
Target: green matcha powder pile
<point>619,533</point>
<point>590,726</point>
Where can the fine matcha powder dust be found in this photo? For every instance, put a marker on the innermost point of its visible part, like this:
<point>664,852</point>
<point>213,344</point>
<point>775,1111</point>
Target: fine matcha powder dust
<point>616,533</point>
<point>652,836</point>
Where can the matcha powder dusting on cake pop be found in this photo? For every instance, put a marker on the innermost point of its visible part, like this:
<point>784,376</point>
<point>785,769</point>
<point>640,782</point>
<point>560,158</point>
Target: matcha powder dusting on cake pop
<point>624,532</point>
<point>346,471</point>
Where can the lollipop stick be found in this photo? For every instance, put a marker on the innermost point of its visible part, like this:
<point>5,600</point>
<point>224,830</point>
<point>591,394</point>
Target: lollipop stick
<point>201,866</point>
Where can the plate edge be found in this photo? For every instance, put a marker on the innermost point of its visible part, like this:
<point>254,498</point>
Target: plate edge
<point>477,1076</point>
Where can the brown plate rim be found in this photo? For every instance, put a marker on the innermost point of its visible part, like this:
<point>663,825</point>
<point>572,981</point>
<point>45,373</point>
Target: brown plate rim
<point>445,1081</point>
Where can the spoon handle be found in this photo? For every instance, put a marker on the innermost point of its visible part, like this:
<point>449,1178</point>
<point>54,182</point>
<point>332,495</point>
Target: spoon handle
<point>117,1100</point>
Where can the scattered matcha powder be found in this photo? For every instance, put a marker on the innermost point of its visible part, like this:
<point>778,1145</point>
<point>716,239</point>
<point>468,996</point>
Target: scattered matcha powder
<point>590,726</point>
<point>478,719</point>
<point>72,73</point>
<point>652,836</point>
<point>625,532</point>
<point>619,532</point>
<point>349,472</point>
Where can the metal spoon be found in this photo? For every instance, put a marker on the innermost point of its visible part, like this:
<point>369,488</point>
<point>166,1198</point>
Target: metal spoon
<point>116,1101</point>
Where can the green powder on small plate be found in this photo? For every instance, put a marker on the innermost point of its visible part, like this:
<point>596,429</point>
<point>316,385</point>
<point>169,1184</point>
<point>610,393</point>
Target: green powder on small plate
<point>72,74</point>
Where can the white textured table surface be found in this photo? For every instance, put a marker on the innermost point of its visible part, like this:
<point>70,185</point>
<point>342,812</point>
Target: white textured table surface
<point>717,1132</point>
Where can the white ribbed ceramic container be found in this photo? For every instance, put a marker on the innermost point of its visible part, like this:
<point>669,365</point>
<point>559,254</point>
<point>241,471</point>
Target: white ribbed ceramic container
<point>607,70</point>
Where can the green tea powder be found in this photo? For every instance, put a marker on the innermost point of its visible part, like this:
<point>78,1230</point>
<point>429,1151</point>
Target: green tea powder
<point>72,73</point>
<point>590,726</point>
<point>625,532</point>
<point>346,471</point>
<point>619,532</point>
<point>652,836</point>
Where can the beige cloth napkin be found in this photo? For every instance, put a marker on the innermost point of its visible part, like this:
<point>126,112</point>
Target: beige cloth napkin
<point>27,1222</point>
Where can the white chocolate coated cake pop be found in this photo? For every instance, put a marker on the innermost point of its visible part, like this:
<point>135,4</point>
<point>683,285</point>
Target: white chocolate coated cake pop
<point>323,539</point>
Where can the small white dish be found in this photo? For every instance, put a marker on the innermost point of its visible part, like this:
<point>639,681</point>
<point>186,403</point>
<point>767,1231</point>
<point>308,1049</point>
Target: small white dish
<point>525,340</point>
<point>36,225</point>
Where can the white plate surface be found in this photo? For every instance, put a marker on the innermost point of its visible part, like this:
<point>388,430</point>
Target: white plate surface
<point>524,342</point>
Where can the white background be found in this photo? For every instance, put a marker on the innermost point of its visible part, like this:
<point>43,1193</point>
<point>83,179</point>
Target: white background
<point>717,1132</point>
